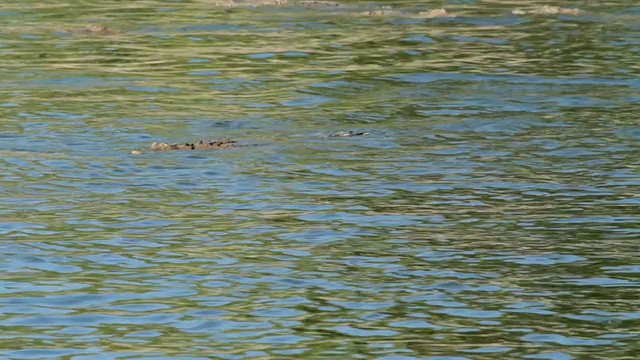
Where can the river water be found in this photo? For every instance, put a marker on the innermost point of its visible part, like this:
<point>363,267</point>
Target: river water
<point>493,212</point>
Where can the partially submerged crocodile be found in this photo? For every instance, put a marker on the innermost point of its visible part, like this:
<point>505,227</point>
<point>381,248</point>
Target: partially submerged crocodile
<point>94,29</point>
<point>219,144</point>
<point>377,11</point>
<point>548,10</point>
<point>97,29</point>
<point>381,11</point>
<point>260,3</point>
<point>435,13</point>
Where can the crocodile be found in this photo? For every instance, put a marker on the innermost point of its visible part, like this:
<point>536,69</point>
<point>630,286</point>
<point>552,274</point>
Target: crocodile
<point>434,13</point>
<point>94,29</point>
<point>384,10</point>
<point>380,11</point>
<point>260,3</point>
<point>223,143</point>
<point>97,29</point>
<point>548,10</point>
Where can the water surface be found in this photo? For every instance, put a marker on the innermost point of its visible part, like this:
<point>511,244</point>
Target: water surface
<point>492,212</point>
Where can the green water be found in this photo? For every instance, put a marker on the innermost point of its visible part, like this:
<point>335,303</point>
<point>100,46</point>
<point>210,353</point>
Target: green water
<point>493,212</point>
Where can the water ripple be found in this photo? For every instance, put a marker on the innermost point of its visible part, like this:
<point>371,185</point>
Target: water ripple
<point>490,212</point>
